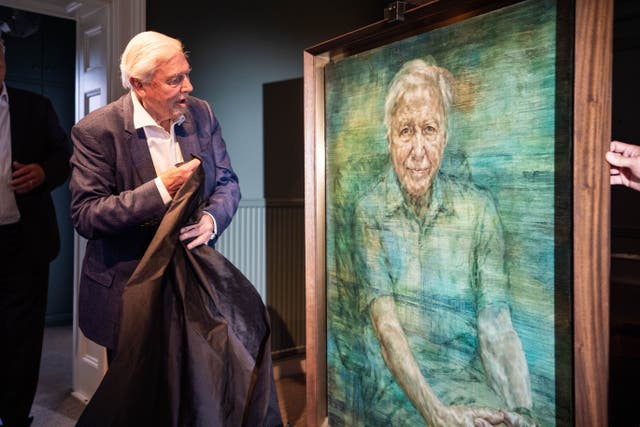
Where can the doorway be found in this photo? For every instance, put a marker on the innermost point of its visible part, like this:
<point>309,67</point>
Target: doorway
<point>102,28</point>
<point>41,59</point>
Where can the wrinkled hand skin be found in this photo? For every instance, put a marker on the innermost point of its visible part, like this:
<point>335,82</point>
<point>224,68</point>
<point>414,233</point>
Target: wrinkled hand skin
<point>200,232</point>
<point>625,164</point>
<point>513,419</point>
<point>466,416</point>
<point>178,175</point>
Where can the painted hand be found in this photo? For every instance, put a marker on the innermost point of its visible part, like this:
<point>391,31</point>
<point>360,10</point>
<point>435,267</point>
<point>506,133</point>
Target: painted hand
<point>514,419</point>
<point>467,416</point>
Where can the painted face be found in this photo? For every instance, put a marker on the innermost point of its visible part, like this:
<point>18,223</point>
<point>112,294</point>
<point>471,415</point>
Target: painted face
<point>164,97</point>
<point>417,139</point>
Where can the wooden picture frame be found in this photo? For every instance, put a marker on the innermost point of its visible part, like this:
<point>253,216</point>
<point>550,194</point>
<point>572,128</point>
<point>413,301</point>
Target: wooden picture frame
<point>586,30</point>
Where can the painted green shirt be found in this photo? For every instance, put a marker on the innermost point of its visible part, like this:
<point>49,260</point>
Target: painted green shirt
<point>440,269</point>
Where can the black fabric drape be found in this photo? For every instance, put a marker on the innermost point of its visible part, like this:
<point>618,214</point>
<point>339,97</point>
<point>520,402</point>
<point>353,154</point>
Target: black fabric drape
<point>194,343</point>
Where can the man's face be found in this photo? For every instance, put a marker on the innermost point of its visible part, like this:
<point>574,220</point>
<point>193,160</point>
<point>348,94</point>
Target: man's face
<point>3,65</point>
<point>417,139</point>
<point>164,97</point>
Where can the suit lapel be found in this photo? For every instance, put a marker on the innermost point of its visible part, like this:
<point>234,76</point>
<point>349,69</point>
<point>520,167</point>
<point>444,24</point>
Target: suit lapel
<point>187,137</point>
<point>140,155</point>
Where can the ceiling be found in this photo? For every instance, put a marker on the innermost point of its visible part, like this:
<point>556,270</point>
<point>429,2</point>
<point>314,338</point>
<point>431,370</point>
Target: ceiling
<point>60,8</point>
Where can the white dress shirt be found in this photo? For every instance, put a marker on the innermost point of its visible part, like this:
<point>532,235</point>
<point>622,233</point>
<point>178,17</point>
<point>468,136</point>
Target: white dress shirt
<point>164,149</point>
<point>9,212</point>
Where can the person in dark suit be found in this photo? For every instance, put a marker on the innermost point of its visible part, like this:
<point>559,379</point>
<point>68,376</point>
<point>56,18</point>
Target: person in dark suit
<point>34,159</point>
<point>124,175</point>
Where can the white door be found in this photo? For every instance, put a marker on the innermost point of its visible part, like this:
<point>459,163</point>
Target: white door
<point>103,29</point>
<point>92,76</point>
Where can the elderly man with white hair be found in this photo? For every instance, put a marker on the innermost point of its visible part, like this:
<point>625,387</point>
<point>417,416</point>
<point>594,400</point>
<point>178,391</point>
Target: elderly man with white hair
<point>430,257</point>
<point>130,162</point>
<point>124,174</point>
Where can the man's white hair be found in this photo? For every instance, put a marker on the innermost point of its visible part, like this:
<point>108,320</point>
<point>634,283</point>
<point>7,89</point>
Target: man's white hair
<point>414,75</point>
<point>144,53</point>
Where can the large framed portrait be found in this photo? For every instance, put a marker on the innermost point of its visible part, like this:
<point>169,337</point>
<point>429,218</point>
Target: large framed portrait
<point>457,246</point>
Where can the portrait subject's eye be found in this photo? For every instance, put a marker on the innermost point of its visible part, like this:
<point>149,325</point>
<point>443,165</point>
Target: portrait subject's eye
<point>429,130</point>
<point>406,131</point>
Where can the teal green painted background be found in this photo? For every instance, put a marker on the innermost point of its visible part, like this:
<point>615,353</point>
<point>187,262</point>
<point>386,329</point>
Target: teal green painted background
<point>511,121</point>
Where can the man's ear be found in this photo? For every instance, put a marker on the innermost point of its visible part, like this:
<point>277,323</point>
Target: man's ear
<point>136,84</point>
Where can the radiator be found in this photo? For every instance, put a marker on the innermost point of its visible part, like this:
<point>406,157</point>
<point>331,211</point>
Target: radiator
<point>266,242</point>
<point>243,243</point>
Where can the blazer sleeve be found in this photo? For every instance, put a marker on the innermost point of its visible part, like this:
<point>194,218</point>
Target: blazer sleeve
<point>104,202</point>
<point>225,196</point>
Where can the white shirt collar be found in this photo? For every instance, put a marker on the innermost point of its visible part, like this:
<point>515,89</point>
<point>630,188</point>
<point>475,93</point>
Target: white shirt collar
<point>142,118</point>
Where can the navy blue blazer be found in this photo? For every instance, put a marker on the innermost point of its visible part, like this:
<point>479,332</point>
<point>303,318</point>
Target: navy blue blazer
<point>36,137</point>
<point>116,205</point>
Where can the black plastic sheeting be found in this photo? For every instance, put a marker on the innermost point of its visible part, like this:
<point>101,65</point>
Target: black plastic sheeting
<point>194,343</point>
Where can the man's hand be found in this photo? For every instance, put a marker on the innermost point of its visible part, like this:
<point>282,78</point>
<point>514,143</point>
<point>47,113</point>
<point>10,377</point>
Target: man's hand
<point>26,177</point>
<point>625,164</point>
<point>176,176</point>
<point>200,232</point>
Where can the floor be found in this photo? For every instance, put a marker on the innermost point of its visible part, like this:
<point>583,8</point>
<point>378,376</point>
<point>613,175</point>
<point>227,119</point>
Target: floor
<point>55,407</point>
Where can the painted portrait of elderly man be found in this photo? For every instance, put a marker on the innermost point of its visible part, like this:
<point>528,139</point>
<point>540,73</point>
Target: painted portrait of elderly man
<point>446,256</point>
<point>410,230</point>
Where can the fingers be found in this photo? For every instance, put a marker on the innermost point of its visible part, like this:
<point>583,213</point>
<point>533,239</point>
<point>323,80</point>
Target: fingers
<point>617,180</point>
<point>625,170</point>
<point>200,232</point>
<point>23,188</point>
<point>26,177</point>
<point>629,150</point>
<point>481,422</point>
<point>617,146</point>
<point>186,169</point>
<point>512,419</point>
<point>191,164</point>
<point>200,240</point>
<point>487,416</point>
<point>176,176</point>
<point>619,160</point>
